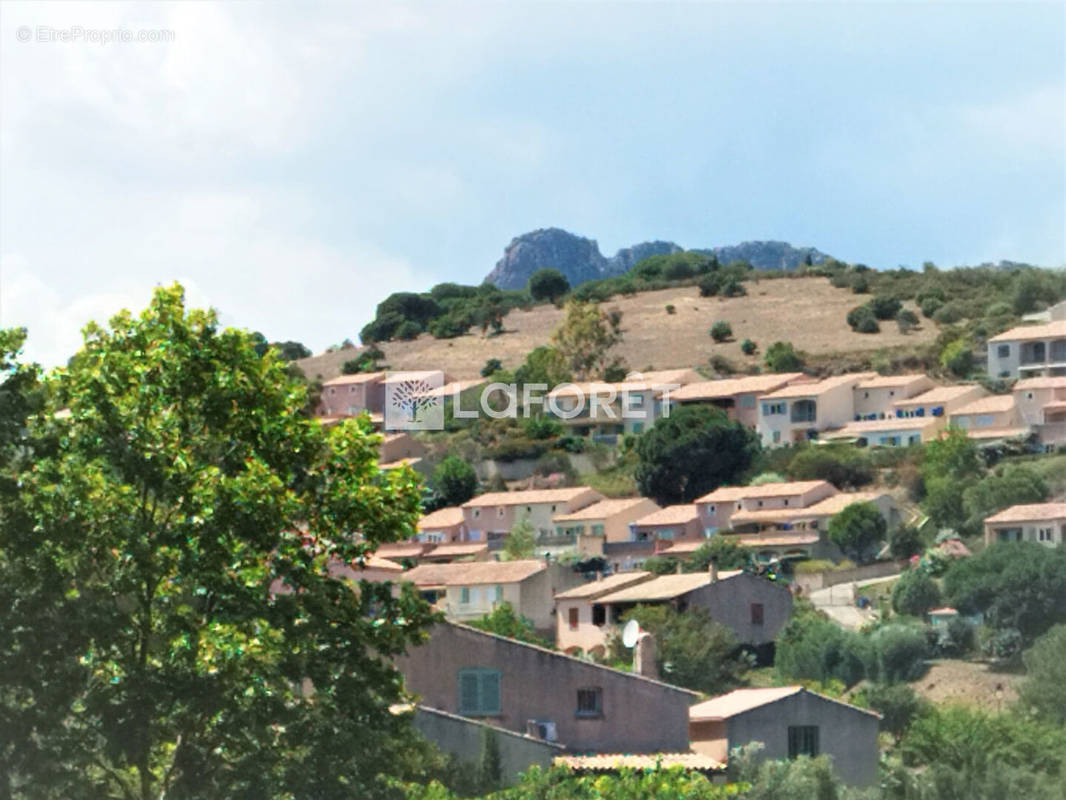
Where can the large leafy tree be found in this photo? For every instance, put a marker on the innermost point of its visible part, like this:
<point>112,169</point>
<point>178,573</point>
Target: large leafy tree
<point>857,529</point>
<point>1044,689</point>
<point>454,481</point>
<point>691,452</point>
<point>548,283</point>
<point>169,623</point>
<point>586,337</point>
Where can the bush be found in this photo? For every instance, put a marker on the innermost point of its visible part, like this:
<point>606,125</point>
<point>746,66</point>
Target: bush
<point>957,639</point>
<point>677,270</point>
<point>710,284</point>
<point>454,481</point>
<point>907,320</point>
<point>885,306</point>
<point>905,541</point>
<point>553,464</point>
<point>541,427</point>
<point>948,314</point>
<point>409,329</point>
<point>897,704</point>
<point>660,565</point>
<point>811,647</point>
<point>782,357</point>
<point>862,320</point>
<point>748,347</point>
<point>733,288</point>
<point>725,553</point>
<point>957,358</point>
<point>671,309</point>
<point>1044,688</point>
<point>860,284</point>
<point>722,365</point>
<point>548,283</point>
<point>448,327</point>
<point>844,467</point>
<point>915,593</point>
<point>901,653</point>
<point>721,330</point>
<point>857,530</point>
<point>929,306</point>
<point>491,367</point>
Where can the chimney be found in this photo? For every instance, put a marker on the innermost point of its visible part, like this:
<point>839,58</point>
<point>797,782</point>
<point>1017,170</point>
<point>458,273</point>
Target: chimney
<point>644,657</point>
<point>712,568</point>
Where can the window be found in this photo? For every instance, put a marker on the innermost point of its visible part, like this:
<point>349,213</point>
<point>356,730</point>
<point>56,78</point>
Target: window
<point>479,691</point>
<point>802,740</point>
<point>777,437</point>
<point>710,508</point>
<point>477,513</point>
<point>597,529</point>
<point>638,427</point>
<point>760,503</point>
<point>464,594</point>
<point>599,616</point>
<point>590,702</point>
<point>499,511</point>
<point>573,619</point>
<point>756,613</point>
<point>769,409</point>
<point>1003,351</point>
<point>1045,534</point>
<point>984,420</point>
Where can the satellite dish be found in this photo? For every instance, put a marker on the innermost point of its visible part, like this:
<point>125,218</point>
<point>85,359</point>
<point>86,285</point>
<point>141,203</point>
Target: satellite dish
<point>630,633</point>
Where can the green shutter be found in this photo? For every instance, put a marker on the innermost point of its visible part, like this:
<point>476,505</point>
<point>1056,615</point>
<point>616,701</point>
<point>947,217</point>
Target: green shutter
<point>468,692</point>
<point>490,692</point>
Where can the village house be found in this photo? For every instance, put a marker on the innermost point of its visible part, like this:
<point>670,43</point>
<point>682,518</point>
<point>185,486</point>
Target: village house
<point>754,608</point>
<point>875,397</point>
<point>347,395</point>
<point>737,397</point>
<point>1035,522</point>
<point>605,521</point>
<point>800,411</point>
<point>1029,351</point>
<point>584,706</point>
<point>939,402</point>
<point>789,721</point>
<point>888,432</point>
<point>491,516</point>
<point>606,410</point>
<point>679,522</point>
<point>716,509</point>
<point>1041,404</point>
<point>399,449</point>
<point>466,590</point>
<point>989,418</point>
<point>443,525</point>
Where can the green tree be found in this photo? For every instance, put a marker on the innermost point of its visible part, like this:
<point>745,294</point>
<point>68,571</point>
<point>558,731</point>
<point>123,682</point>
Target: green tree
<point>163,612</point>
<point>543,364</point>
<point>898,704</point>
<point>1044,688</point>
<point>691,649</point>
<point>810,647</point>
<point>843,466</point>
<point>548,283</point>
<point>862,319</point>
<point>291,351</point>
<point>906,320</point>
<point>691,452</point>
<point>586,337</point>
<point>915,593</point>
<point>1010,485</point>
<point>857,529</point>
<point>491,367</point>
<point>748,347</point>
<point>454,481</point>
<point>520,540</point>
<point>905,541</point>
<point>782,357</point>
<point>884,306</point>
<point>726,553</point>
<point>490,763</point>
<point>721,331</point>
<point>503,620</point>
<point>950,465</point>
<point>901,652</point>
<point>957,355</point>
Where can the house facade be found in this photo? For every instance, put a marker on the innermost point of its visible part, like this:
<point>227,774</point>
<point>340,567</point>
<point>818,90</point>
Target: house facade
<point>1034,522</point>
<point>491,516</point>
<point>607,520</point>
<point>347,395</point>
<point>401,448</point>
<point>443,525</point>
<point>992,417</point>
<point>576,627</point>
<point>586,707</point>
<point>875,397</point>
<point>716,509</point>
<point>737,397</point>
<point>800,411</point>
<point>1041,405</point>
<point>673,523</point>
<point>1029,351</point>
<point>790,721</point>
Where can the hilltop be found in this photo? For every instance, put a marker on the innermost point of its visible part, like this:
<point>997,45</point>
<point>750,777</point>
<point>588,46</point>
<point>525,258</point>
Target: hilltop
<point>809,311</point>
<point>580,259</point>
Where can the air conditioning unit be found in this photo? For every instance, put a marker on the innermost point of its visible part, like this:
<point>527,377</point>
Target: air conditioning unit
<point>541,729</point>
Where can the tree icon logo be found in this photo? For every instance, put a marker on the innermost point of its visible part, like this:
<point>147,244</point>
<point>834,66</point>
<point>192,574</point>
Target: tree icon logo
<point>414,401</point>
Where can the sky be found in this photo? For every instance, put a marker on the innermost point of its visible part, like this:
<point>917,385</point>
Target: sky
<point>291,164</point>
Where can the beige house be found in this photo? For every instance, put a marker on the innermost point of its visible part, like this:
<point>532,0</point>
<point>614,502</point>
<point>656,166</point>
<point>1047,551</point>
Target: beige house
<point>610,409</point>
<point>717,508</point>
<point>671,523</point>
<point>876,397</point>
<point>443,525</point>
<point>1036,522</point>
<point>398,449</point>
<point>993,417</point>
<point>790,721</point>
<point>1041,404</point>
<point>938,403</point>
<point>575,625</point>
<point>888,432</point>
<point>1029,351</point>
<point>347,395</point>
<point>738,397</point>
<point>468,590</point>
<point>607,520</point>
<point>491,516</point>
<point>586,707</point>
<point>754,608</point>
<point>800,411</point>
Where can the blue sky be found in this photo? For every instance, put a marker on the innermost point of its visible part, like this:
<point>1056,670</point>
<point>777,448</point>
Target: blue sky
<point>292,164</point>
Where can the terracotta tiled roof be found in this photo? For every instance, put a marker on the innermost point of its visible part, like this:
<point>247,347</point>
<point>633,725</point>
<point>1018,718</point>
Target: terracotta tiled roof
<point>819,387</point>
<point>605,586</point>
<point>838,502</point>
<point>527,497</point>
<point>1023,333</point>
<point>1053,382</point>
<point>441,518</point>
<point>671,515</point>
<point>755,384</point>
<point>741,700</point>
<point>401,549</point>
<point>602,510</point>
<point>876,425</point>
<point>473,572</point>
<point>1030,512</point>
<point>608,762</point>
<point>778,540</point>
<point>939,395</point>
<point>996,433</point>
<point>457,549</point>
<point>992,404</point>
<point>359,377</point>
<point>891,381</point>
<point>725,494</point>
<point>665,587</point>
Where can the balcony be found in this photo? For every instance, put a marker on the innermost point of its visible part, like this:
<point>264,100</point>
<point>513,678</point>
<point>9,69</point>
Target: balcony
<point>804,411</point>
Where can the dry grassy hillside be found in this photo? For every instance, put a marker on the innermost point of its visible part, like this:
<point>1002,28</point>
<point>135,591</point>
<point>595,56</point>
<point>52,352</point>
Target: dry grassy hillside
<point>809,312</point>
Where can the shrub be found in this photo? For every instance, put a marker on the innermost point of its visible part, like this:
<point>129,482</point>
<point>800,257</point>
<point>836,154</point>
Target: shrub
<point>722,365</point>
<point>733,288</point>
<point>862,320</point>
<point>448,327</point>
<point>670,308</point>
<point>860,284</point>
<point>782,357</point>
<point>907,320</point>
<point>957,357</point>
<point>454,481</point>
<point>721,330</point>
<point>915,593</point>
<point>553,464</point>
<point>857,530</point>
<point>948,314</point>
<point>844,467</point>
<point>710,284</point>
<point>548,283</point>
<point>901,653</point>
<point>897,704</point>
<point>660,565</point>
<point>929,306</point>
<point>409,329</point>
<point>541,427</point>
<point>491,367</point>
<point>957,639</point>
<point>885,306</point>
<point>748,347</point>
<point>905,541</point>
<point>677,270</point>
<point>811,647</point>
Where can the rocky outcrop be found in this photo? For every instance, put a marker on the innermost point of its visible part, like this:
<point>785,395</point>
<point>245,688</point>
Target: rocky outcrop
<point>580,259</point>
